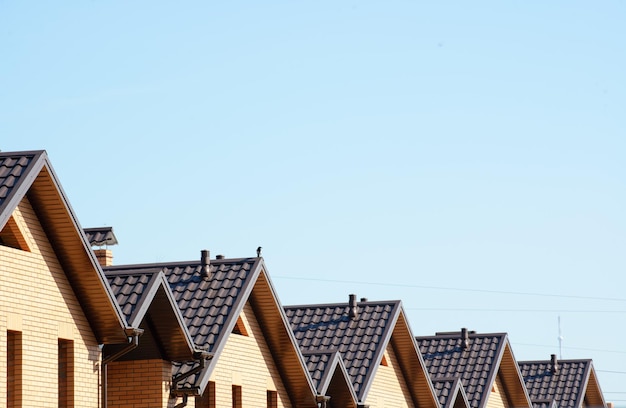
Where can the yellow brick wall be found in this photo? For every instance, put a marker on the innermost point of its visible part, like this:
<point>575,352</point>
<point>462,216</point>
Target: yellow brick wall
<point>247,361</point>
<point>389,390</point>
<point>37,300</point>
<point>139,384</point>
<point>497,398</point>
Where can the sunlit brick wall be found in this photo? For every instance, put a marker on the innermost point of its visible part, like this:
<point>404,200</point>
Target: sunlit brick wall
<point>37,300</point>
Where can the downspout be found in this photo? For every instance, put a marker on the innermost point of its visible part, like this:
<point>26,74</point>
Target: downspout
<point>322,401</point>
<point>201,357</point>
<point>184,403</point>
<point>133,342</point>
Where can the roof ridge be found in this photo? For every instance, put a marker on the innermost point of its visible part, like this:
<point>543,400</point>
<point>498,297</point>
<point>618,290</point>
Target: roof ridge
<point>369,302</point>
<point>177,263</point>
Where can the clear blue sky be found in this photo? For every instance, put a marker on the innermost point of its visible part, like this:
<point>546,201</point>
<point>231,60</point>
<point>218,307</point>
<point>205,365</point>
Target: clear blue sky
<point>444,153</point>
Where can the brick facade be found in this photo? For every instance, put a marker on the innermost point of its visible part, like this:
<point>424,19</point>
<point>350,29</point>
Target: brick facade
<point>139,384</point>
<point>38,303</point>
<point>247,361</point>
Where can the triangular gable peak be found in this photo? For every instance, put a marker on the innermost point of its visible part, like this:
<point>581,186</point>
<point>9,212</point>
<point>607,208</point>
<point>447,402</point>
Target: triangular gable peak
<point>570,383</point>
<point>331,378</point>
<point>148,303</point>
<point>29,176</point>
<point>361,332</point>
<point>212,295</point>
<point>482,362</point>
<point>451,393</point>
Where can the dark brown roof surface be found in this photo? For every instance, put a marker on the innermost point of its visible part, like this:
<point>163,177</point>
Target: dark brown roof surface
<point>476,367</point>
<point>318,365</point>
<point>210,308</point>
<point>360,342</point>
<point>100,236</point>
<point>447,390</point>
<point>129,289</point>
<point>12,166</point>
<point>148,303</point>
<point>207,305</point>
<point>567,386</point>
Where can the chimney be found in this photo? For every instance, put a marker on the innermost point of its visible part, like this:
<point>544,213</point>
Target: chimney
<point>104,256</point>
<point>554,365</point>
<point>363,299</point>
<point>220,256</point>
<point>205,262</point>
<point>464,338</point>
<point>353,310</point>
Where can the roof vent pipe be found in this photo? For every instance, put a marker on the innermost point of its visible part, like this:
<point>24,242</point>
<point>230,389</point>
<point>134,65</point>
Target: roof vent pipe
<point>554,365</point>
<point>205,262</point>
<point>352,304</point>
<point>464,338</point>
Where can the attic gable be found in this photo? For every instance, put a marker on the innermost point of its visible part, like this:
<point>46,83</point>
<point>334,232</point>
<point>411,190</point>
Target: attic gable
<point>211,295</point>
<point>148,304</point>
<point>29,175</point>
<point>360,332</point>
<point>14,234</point>
<point>478,360</point>
<point>571,384</point>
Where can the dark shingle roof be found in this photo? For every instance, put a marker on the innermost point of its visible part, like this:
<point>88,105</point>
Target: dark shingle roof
<point>146,294</point>
<point>129,290</point>
<point>447,390</point>
<point>567,386</point>
<point>318,364</point>
<point>12,166</point>
<point>206,304</point>
<point>360,342</point>
<point>476,366</point>
<point>210,307</point>
<point>100,236</point>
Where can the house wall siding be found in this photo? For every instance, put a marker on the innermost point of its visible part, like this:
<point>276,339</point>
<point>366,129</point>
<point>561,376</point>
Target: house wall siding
<point>389,390</point>
<point>247,361</point>
<point>37,300</point>
<point>497,398</point>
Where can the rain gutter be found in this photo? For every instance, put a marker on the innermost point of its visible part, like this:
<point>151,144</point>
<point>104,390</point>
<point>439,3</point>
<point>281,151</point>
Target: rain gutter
<point>132,334</point>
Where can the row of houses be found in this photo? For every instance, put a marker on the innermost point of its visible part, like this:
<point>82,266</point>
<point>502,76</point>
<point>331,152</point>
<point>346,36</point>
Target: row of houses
<point>78,331</point>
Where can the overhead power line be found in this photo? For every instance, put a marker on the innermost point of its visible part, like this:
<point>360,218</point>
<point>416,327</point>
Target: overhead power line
<point>570,348</point>
<point>498,292</point>
<point>465,309</point>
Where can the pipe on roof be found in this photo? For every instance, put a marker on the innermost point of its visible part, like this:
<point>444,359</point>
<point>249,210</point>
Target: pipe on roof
<point>205,262</point>
<point>464,338</point>
<point>554,364</point>
<point>352,312</point>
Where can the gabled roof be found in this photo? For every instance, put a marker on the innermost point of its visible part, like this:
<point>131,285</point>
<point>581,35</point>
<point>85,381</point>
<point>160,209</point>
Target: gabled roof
<point>30,174</point>
<point>451,393</point>
<point>331,377</point>
<point>573,385</point>
<point>486,357</point>
<point>148,303</point>
<point>361,342</point>
<point>210,307</point>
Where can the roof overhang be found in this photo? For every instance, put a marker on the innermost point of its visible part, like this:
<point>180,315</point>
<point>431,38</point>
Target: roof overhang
<point>165,333</point>
<point>40,185</point>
